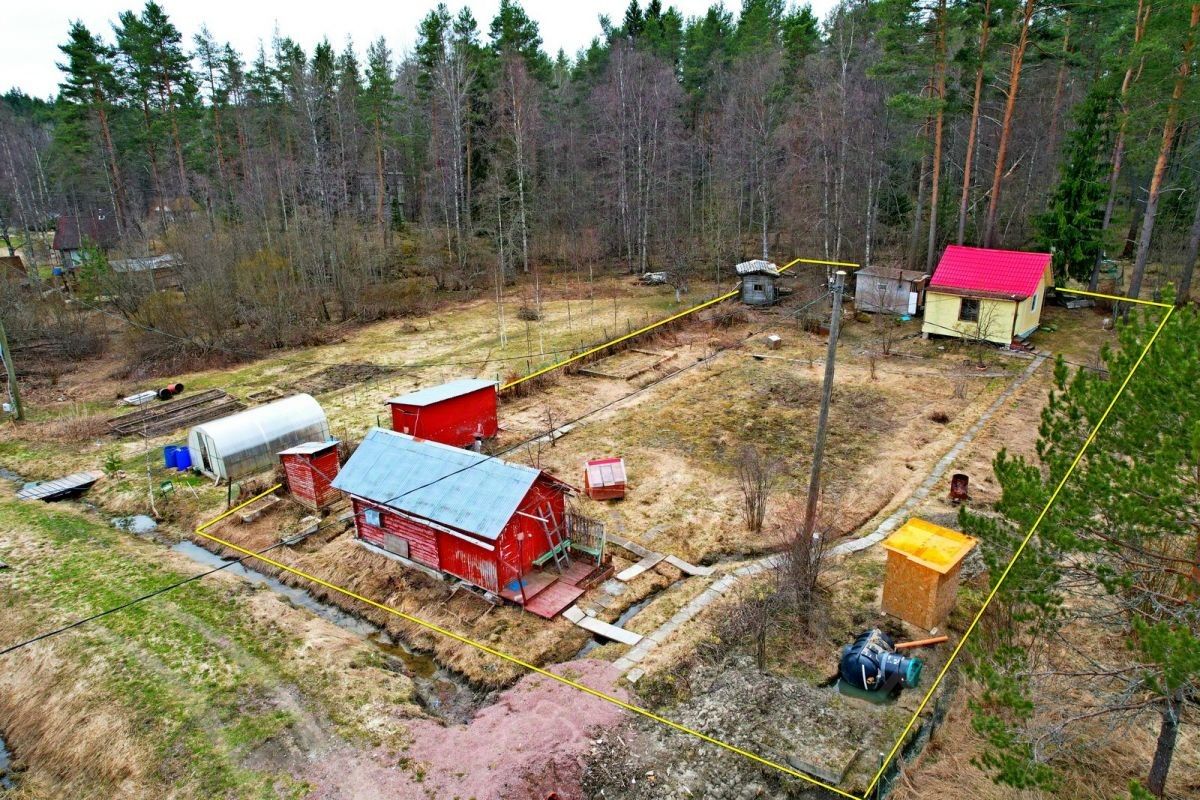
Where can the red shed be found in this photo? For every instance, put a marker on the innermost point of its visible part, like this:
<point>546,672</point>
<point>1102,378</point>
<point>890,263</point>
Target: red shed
<point>500,526</point>
<point>310,470</point>
<point>453,413</point>
<point>604,478</point>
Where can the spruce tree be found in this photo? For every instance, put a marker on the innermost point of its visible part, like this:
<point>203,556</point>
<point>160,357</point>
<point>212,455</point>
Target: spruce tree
<point>1072,227</point>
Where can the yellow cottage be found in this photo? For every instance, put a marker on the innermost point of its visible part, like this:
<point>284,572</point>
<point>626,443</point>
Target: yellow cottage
<point>981,293</point>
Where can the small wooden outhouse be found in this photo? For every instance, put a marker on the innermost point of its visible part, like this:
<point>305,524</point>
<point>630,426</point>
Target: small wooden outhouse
<point>923,562</point>
<point>310,469</point>
<point>760,281</point>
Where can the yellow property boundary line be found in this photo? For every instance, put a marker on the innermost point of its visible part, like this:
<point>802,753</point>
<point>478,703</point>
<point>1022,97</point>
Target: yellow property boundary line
<point>202,531</point>
<point>661,322</point>
<point>501,654</point>
<point>1091,437</point>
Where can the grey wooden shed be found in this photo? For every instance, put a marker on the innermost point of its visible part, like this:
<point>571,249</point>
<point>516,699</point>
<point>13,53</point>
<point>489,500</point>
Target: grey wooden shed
<point>759,282</point>
<point>889,290</point>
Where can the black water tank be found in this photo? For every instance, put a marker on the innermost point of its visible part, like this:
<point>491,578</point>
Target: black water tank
<point>871,664</point>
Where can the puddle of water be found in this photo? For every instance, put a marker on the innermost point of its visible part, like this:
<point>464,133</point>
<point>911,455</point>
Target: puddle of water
<point>9,475</point>
<point>439,691</point>
<point>6,779</point>
<point>138,523</point>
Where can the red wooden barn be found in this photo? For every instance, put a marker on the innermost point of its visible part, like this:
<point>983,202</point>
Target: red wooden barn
<point>454,413</point>
<point>499,526</point>
<point>604,478</point>
<point>310,470</point>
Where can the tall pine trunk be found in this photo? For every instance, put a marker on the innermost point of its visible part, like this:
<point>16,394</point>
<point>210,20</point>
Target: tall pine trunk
<point>940,92</point>
<point>1185,284</point>
<point>1164,750</point>
<point>973,129</point>
<point>1160,164</point>
<point>1139,29</point>
<point>1010,106</point>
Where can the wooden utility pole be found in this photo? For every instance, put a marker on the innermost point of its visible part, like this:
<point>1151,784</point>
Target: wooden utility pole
<point>11,368</point>
<point>814,478</point>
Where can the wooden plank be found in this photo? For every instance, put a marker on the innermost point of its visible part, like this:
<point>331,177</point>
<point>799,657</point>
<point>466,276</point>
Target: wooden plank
<point>575,614</point>
<point>553,599</point>
<point>148,414</point>
<point>690,569</point>
<point>75,482</point>
<point>648,562</point>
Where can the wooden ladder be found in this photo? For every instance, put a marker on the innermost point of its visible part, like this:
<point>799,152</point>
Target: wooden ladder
<point>554,535</point>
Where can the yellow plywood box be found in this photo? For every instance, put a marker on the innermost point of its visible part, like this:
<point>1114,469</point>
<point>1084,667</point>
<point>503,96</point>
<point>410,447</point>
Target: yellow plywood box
<point>923,562</point>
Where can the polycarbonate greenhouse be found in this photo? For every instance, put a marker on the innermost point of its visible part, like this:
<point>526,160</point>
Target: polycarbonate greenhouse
<point>247,442</point>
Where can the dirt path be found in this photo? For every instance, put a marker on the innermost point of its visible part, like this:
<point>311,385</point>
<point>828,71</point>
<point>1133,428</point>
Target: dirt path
<point>529,743</point>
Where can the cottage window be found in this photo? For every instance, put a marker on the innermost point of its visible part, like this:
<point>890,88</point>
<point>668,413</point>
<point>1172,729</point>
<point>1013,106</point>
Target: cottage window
<point>758,287</point>
<point>1033,305</point>
<point>371,517</point>
<point>969,310</point>
<point>881,287</point>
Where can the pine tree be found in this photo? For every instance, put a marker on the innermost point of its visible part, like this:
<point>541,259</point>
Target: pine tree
<point>1117,553</point>
<point>89,91</point>
<point>1072,227</point>
<point>378,105</point>
<point>512,31</point>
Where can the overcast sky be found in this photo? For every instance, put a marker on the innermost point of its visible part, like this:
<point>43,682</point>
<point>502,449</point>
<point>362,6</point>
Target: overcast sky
<point>33,29</point>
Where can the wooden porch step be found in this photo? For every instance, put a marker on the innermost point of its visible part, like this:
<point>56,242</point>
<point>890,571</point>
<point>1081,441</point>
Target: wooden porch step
<point>553,599</point>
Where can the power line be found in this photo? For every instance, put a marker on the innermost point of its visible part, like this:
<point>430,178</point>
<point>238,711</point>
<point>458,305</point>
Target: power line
<point>129,603</point>
<point>518,445</point>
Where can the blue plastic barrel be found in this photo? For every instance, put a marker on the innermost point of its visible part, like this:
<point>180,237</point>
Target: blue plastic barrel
<point>169,455</point>
<point>183,459</point>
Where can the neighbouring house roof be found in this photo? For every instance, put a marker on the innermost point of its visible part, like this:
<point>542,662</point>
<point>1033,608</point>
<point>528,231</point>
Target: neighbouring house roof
<point>891,273</point>
<point>457,488</point>
<point>146,264</point>
<point>1007,274</point>
<point>436,394</point>
<point>72,232</point>
<point>757,267</point>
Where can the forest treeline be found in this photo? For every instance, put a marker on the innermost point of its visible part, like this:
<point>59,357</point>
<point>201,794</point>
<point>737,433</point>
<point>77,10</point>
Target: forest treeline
<point>309,184</point>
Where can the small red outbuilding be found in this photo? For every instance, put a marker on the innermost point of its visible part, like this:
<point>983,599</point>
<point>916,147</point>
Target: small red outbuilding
<point>310,469</point>
<point>454,413</point>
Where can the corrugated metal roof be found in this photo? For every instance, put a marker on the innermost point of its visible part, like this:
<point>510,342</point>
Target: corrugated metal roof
<point>448,485</point>
<point>436,394</point>
<point>757,267</point>
<point>308,448</point>
<point>1014,274</point>
<point>891,273</point>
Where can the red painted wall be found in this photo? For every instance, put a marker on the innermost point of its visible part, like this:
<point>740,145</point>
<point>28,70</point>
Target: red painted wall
<point>542,493</point>
<point>489,569</point>
<point>474,564</point>
<point>422,540</point>
<point>453,421</point>
<point>309,476</point>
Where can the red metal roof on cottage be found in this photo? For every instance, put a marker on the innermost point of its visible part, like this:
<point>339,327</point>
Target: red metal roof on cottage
<point>1010,274</point>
